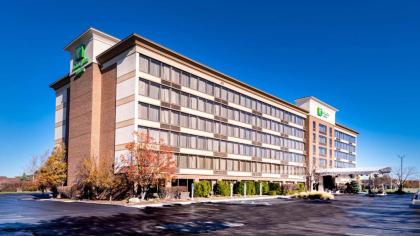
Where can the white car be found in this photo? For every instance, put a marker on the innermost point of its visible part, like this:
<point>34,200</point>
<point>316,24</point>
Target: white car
<point>416,199</point>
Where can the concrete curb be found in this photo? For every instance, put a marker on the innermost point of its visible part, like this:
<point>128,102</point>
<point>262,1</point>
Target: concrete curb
<point>208,201</point>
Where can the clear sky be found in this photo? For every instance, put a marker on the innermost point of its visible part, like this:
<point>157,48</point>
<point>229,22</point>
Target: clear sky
<point>362,57</point>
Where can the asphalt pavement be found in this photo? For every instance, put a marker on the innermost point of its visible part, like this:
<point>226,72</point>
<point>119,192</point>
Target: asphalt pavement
<point>347,215</point>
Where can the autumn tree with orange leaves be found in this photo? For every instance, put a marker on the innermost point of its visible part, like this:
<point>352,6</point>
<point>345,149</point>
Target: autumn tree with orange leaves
<point>148,161</point>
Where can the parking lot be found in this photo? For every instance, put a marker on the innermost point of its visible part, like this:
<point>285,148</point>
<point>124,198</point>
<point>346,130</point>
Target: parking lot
<point>347,215</point>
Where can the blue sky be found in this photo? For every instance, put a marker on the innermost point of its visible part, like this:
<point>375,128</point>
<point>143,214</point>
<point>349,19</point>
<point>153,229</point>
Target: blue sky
<point>362,57</point>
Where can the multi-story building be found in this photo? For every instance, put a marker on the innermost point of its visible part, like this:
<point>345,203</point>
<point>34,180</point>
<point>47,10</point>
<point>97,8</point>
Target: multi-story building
<point>217,126</point>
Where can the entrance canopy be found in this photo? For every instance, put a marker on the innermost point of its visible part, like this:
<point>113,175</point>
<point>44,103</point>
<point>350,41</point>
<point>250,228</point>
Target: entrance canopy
<point>353,171</point>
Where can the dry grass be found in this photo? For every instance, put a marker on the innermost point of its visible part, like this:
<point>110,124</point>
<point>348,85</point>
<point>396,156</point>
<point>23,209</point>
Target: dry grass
<point>314,195</point>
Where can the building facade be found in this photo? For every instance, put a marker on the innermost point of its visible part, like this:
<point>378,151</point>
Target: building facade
<point>218,127</point>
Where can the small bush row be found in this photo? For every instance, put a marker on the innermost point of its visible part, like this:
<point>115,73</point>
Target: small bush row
<point>222,188</point>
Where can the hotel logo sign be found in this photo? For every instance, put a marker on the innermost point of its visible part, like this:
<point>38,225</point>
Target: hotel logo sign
<point>80,60</point>
<point>321,113</point>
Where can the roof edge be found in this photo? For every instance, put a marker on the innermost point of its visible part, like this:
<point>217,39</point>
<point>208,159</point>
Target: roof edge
<point>347,128</point>
<point>318,100</point>
<point>60,82</point>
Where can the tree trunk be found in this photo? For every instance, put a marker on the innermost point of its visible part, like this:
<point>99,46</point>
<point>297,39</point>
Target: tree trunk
<point>136,188</point>
<point>143,192</point>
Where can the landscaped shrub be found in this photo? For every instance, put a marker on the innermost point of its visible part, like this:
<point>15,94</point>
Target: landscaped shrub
<point>265,188</point>
<point>272,193</point>
<point>238,188</point>
<point>202,188</point>
<point>250,188</point>
<point>301,187</point>
<point>276,187</point>
<point>352,187</point>
<point>222,188</point>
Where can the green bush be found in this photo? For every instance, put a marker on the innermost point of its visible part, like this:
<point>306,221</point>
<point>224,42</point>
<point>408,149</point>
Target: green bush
<point>277,187</point>
<point>272,192</point>
<point>222,188</point>
<point>202,188</point>
<point>301,187</point>
<point>250,188</point>
<point>265,188</point>
<point>238,188</point>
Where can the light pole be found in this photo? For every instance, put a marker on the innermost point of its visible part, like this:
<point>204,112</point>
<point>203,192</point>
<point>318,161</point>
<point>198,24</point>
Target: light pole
<point>401,171</point>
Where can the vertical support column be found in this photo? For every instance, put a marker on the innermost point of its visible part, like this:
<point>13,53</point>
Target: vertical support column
<point>192,191</point>
<point>231,189</point>
<point>244,188</point>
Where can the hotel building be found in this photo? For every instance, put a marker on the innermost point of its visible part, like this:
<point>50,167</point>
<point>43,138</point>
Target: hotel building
<point>218,127</point>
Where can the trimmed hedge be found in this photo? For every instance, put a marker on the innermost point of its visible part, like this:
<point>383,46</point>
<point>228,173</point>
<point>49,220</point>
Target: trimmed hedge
<point>238,188</point>
<point>202,188</point>
<point>222,188</point>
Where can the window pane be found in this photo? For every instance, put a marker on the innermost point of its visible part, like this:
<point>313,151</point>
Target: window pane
<point>165,94</point>
<point>144,64</point>
<point>143,87</point>
<point>154,90</point>
<point>175,75</point>
<point>155,68</point>
<point>166,72</point>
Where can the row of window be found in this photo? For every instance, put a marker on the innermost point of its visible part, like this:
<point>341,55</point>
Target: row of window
<point>345,136</point>
<point>173,96</point>
<point>345,146</point>
<point>176,139</point>
<point>340,164</point>
<point>166,116</point>
<point>344,155</point>
<point>175,75</point>
<point>223,164</point>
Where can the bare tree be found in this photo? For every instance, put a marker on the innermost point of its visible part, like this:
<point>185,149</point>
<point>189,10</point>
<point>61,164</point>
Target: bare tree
<point>402,175</point>
<point>35,164</point>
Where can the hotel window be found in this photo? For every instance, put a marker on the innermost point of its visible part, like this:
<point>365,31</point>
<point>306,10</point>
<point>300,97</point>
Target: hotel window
<point>209,88</point>
<point>201,105</point>
<point>313,126</point>
<point>223,93</point>
<point>165,94</point>
<point>322,151</point>
<point>144,64</point>
<point>192,163</point>
<point>143,111</point>
<point>183,120</point>
<point>154,90</point>
<point>174,137</point>
<point>322,140</point>
<point>193,82</point>
<point>192,141</point>
<point>166,72</point>
<point>164,137</point>
<point>193,122</point>
<point>314,149</point>
<point>175,118</point>
<point>182,161</point>
<point>193,102</point>
<point>184,99</point>
<point>202,85</point>
<point>143,87</point>
<point>185,80</point>
<point>322,128</point>
<point>174,97</point>
<point>164,116</point>
<point>175,75</point>
<point>155,68</point>
<point>331,131</point>
<point>154,113</point>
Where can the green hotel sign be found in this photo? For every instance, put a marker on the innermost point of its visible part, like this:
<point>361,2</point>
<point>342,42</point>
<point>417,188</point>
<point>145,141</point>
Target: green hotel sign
<point>321,113</point>
<point>80,60</point>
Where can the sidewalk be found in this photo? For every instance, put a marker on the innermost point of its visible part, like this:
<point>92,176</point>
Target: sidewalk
<point>170,202</point>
